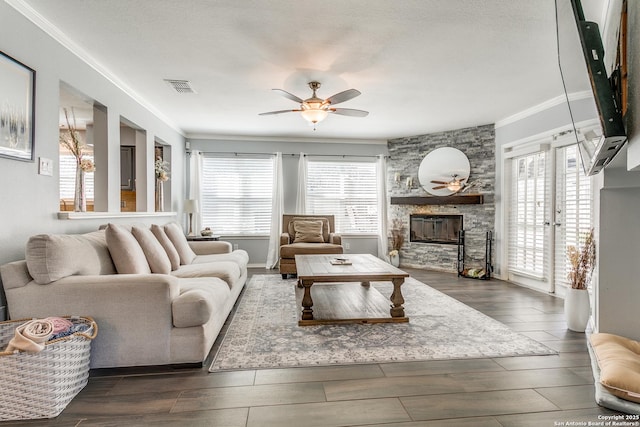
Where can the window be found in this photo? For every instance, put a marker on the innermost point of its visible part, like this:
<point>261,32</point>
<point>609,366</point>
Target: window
<point>346,190</point>
<point>527,216</point>
<point>236,195</point>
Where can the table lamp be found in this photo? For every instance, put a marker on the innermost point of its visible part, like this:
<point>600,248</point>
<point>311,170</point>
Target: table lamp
<point>190,207</point>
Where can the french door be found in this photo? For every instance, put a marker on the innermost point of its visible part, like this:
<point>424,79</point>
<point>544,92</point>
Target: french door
<point>549,209</point>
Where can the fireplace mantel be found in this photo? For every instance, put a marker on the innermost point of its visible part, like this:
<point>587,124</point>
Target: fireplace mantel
<point>455,199</point>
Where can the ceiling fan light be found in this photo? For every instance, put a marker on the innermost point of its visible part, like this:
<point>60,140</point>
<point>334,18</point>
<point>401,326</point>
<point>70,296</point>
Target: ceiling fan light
<point>314,115</point>
<point>454,186</point>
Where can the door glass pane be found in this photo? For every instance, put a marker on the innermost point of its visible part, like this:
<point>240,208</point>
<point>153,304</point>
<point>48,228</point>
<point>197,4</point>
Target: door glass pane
<point>527,216</point>
<point>573,216</point>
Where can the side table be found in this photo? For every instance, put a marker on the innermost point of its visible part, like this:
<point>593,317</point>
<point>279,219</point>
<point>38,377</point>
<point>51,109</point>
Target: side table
<point>203,238</point>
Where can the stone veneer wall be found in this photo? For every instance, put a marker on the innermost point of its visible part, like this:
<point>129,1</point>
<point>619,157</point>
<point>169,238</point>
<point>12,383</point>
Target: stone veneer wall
<point>406,154</point>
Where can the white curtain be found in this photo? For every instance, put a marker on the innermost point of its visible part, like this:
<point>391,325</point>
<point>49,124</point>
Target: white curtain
<point>277,209</point>
<point>301,197</point>
<point>195,187</point>
<point>383,247</point>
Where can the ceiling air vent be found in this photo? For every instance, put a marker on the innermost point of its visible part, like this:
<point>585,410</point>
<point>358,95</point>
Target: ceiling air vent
<point>180,86</point>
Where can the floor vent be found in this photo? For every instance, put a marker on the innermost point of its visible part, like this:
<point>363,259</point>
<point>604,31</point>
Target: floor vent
<point>180,86</point>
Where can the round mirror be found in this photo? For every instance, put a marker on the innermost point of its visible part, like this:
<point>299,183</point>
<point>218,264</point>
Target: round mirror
<point>444,171</point>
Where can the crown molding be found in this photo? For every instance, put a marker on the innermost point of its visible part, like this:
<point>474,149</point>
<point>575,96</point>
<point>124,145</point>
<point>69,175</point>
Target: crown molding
<point>550,103</point>
<point>54,32</point>
<point>192,137</point>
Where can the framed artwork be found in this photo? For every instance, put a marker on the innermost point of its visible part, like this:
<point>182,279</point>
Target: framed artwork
<point>17,96</point>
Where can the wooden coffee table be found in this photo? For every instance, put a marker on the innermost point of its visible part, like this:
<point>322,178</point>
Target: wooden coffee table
<point>343,303</point>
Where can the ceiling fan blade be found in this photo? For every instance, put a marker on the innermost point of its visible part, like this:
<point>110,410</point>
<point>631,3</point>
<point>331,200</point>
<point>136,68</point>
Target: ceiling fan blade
<point>342,96</point>
<point>439,187</point>
<point>277,112</point>
<point>349,112</point>
<point>439,182</point>
<point>289,96</point>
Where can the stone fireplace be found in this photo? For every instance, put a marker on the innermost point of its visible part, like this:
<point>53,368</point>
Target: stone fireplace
<point>420,250</point>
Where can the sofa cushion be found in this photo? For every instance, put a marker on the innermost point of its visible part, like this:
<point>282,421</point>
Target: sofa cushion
<point>172,253</point>
<point>325,225</point>
<point>290,251</point>
<point>157,257</point>
<point>228,271</point>
<point>179,240</point>
<point>308,231</point>
<point>51,257</point>
<point>126,253</point>
<point>239,256</point>
<point>619,362</point>
<point>199,299</point>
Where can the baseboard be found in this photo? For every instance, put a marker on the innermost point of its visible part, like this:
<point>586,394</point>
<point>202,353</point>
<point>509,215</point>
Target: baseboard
<point>262,265</point>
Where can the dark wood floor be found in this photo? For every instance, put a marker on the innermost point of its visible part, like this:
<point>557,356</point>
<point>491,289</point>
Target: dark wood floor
<point>513,391</point>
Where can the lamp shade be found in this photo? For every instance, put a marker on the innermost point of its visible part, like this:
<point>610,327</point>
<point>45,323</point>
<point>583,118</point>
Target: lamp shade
<point>191,206</point>
<point>314,115</point>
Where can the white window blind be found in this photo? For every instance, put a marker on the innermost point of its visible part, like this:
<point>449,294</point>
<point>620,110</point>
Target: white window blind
<point>67,170</point>
<point>346,190</point>
<point>528,207</point>
<point>573,208</point>
<point>236,194</point>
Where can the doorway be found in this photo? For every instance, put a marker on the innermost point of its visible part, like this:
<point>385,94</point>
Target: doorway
<point>549,208</point>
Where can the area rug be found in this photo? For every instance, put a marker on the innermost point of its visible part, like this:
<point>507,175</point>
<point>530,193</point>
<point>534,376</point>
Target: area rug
<point>264,332</point>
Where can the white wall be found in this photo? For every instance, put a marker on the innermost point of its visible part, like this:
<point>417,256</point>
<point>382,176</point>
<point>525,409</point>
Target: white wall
<point>617,286</point>
<point>30,201</point>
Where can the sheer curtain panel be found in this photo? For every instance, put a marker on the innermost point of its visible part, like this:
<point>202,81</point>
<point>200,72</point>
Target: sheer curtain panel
<point>383,246</point>
<point>301,197</point>
<point>195,193</point>
<point>277,208</point>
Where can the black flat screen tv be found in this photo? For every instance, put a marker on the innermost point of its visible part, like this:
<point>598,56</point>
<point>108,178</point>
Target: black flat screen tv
<point>577,35</point>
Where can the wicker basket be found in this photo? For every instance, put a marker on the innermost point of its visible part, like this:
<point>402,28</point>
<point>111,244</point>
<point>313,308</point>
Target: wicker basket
<point>41,385</point>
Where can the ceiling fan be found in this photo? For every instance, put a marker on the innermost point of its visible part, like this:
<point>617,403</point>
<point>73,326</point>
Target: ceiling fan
<point>315,109</point>
<point>455,185</point>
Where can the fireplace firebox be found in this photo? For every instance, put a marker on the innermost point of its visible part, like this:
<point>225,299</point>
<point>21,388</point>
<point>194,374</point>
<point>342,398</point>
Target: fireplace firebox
<point>442,229</point>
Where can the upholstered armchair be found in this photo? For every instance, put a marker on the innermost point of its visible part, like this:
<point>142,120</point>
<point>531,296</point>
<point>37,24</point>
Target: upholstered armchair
<point>306,235</point>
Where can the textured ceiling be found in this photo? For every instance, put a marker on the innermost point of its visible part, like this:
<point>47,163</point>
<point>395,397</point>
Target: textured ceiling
<point>422,65</point>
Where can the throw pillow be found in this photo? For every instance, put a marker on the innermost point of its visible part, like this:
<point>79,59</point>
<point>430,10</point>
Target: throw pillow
<point>172,253</point>
<point>325,225</point>
<point>308,231</point>
<point>53,256</point>
<point>179,240</point>
<point>154,252</point>
<point>619,362</point>
<point>126,253</point>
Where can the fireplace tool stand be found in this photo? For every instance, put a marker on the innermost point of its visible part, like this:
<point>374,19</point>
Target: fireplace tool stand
<point>475,273</point>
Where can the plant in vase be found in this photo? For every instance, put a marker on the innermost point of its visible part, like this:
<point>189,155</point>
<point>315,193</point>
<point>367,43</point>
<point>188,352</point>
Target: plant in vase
<point>576,302</point>
<point>162,175</point>
<point>70,140</point>
<point>397,240</point>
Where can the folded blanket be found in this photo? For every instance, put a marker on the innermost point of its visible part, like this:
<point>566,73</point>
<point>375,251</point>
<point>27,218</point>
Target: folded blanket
<point>59,324</point>
<point>31,336</point>
<point>80,327</point>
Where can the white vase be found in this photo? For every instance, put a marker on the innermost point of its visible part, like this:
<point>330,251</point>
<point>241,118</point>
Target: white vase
<point>395,260</point>
<point>577,309</point>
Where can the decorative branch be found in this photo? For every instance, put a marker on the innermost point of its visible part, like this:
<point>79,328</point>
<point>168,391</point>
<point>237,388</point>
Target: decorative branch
<point>582,262</point>
<point>70,139</point>
<point>397,234</point>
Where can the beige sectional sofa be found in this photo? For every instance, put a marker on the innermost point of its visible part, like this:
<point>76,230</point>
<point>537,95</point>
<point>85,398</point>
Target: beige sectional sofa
<point>157,298</point>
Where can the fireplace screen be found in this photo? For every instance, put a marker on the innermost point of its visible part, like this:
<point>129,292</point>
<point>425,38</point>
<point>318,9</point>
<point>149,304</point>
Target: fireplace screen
<point>435,228</point>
